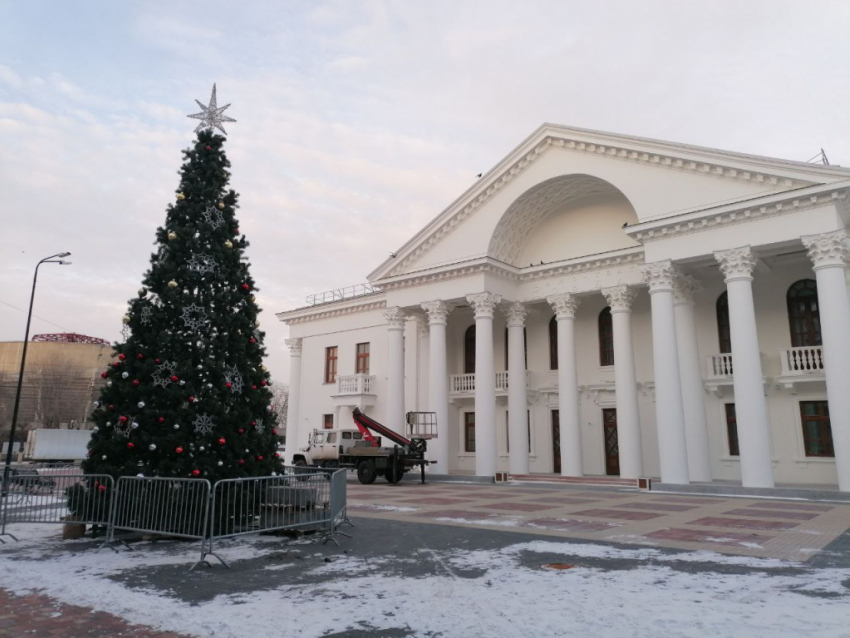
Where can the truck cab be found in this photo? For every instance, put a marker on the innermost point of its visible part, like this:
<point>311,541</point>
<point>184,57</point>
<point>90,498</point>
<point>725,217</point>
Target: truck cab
<point>324,447</point>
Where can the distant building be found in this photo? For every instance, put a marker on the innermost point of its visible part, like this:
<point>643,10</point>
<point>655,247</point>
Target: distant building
<point>61,379</point>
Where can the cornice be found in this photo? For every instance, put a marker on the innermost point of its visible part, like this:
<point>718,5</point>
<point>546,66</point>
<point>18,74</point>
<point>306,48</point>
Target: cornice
<point>690,159</point>
<point>334,309</point>
<point>739,212</point>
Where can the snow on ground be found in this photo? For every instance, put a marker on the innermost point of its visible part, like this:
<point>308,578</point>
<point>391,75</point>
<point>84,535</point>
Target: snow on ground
<point>505,597</point>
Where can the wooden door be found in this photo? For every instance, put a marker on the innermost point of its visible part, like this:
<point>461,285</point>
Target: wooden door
<point>612,447</point>
<point>556,442</point>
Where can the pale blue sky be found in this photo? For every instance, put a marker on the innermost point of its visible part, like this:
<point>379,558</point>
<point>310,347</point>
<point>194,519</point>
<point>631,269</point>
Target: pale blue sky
<point>359,121</point>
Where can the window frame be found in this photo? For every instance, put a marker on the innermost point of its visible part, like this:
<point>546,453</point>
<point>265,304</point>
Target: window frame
<point>362,358</point>
<point>733,443</point>
<point>327,421</point>
<point>804,320</point>
<point>469,350</point>
<point>605,330</point>
<point>331,364</point>
<point>469,428</point>
<point>825,436</point>
<point>724,329</point>
<point>553,343</point>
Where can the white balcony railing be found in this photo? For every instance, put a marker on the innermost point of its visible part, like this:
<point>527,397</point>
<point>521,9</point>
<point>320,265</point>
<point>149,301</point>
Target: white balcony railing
<point>465,383</point>
<point>355,384</point>
<point>802,361</point>
<point>720,366</point>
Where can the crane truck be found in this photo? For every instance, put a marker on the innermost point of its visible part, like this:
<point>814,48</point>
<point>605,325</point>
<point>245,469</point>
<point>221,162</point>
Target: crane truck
<point>360,450</point>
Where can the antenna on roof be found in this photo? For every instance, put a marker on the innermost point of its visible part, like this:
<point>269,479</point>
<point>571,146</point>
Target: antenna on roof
<point>820,158</point>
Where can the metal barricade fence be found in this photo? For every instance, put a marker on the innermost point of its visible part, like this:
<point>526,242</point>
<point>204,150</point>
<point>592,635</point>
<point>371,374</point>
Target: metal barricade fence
<point>339,499</point>
<point>57,495</point>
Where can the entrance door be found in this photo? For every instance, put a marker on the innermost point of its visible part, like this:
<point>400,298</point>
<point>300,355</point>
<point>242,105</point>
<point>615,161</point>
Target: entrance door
<point>612,447</point>
<point>556,442</point>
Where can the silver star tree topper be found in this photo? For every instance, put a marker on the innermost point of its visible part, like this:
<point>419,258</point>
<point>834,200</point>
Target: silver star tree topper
<point>211,116</point>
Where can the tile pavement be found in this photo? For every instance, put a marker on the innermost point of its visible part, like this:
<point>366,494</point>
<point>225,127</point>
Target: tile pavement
<point>747,526</point>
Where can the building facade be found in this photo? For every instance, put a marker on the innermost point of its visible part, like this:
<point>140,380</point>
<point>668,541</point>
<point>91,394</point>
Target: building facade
<point>600,304</point>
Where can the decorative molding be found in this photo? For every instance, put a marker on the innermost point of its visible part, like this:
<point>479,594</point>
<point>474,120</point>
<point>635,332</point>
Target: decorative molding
<point>394,317</point>
<point>515,313</point>
<point>294,346</point>
<point>304,315</point>
<point>684,288</point>
<point>564,305</point>
<point>565,139</point>
<point>735,213</point>
<point>619,298</point>
<point>484,304</point>
<point>659,275</point>
<point>437,311</point>
<point>736,263</point>
<point>828,250</point>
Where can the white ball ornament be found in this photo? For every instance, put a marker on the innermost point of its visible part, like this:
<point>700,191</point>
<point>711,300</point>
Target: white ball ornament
<point>109,424</point>
<point>182,382</point>
<point>172,284</point>
<point>141,404</point>
<point>140,475</point>
<point>228,244</point>
<point>201,449</point>
<point>200,367</point>
<point>176,426</point>
<point>97,404</point>
<point>172,236</point>
<point>134,425</point>
<point>103,458</point>
<point>152,447</point>
<point>109,384</point>
<point>124,375</point>
<point>95,429</point>
<point>220,463</point>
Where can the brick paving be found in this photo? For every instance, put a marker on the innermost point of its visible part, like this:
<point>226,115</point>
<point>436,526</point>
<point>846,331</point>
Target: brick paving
<point>37,616</point>
<point>747,526</point>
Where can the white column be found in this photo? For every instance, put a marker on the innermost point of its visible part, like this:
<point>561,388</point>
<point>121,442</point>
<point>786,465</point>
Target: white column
<point>669,412</point>
<point>620,299</point>
<point>395,369</point>
<point>292,441</point>
<point>438,381</point>
<point>829,253</point>
<point>337,411</point>
<point>690,374</point>
<point>750,407</point>
<point>484,304</point>
<point>517,395</point>
<point>565,306</point>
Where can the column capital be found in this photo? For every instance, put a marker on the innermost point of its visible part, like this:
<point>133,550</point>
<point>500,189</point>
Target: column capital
<point>515,313</point>
<point>659,275</point>
<point>829,250</point>
<point>420,321</point>
<point>294,346</point>
<point>394,317</point>
<point>619,298</point>
<point>438,311</point>
<point>564,305</point>
<point>736,263</point>
<point>684,288</point>
<point>484,304</point>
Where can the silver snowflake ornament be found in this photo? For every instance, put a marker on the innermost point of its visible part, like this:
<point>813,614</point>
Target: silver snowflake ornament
<point>202,264</point>
<point>211,115</point>
<point>126,331</point>
<point>194,316</point>
<point>213,217</point>
<point>258,426</point>
<point>124,429</point>
<point>203,424</point>
<point>146,315</point>
<point>233,377</point>
<point>163,374</point>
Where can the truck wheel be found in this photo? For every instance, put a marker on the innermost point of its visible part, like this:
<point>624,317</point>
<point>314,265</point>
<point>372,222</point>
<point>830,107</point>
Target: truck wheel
<point>393,474</point>
<point>366,473</point>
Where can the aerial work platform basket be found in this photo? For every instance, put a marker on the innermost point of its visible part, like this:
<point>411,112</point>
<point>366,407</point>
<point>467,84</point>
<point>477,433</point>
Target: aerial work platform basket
<point>422,425</point>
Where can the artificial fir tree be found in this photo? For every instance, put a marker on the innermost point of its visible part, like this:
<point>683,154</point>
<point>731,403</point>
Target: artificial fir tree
<point>187,394</point>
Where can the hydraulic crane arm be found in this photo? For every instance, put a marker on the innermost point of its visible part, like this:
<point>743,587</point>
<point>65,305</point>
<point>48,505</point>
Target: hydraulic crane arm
<point>365,423</point>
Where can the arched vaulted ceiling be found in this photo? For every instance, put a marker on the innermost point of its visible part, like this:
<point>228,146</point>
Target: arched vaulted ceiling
<point>532,207</point>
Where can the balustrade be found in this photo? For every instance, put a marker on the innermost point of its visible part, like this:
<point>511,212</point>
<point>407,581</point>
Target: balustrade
<point>801,361</point>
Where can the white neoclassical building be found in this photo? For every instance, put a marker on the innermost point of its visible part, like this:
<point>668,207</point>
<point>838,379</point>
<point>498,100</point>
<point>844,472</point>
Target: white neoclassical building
<point>600,304</point>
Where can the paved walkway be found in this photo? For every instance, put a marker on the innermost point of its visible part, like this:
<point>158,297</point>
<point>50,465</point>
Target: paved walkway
<point>36,616</point>
<point>786,529</point>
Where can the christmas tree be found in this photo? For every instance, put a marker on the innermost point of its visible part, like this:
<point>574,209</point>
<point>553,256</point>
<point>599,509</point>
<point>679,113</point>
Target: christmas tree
<point>187,394</point>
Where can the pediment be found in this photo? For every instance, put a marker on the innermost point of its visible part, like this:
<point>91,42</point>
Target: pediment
<point>658,178</point>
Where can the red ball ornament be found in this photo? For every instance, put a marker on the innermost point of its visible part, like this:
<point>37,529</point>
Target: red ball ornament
<point>111,407</point>
<point>209,148</point>
<point>123,419</point>
<point>241,431</point>
<point>241,462</point>
<point>122,357</point>
<point>102,375</point>
<point>253,387</point>
<point>140,356</point>
<point>191,399</point>
<point>260,457</point>
<point>174,378</point>
<point>221,441</point>
<point>130,446</point>
<point>274,432</point>
<point>136,382</point>
<point>196,472</point>
<point>161,419</point>
<point>252,340</point>
<point>116,364</point>
<point>246,287</point>
<point>101,488</point>
<point>179,450</point>
<point>156,361</point>
<point>263,383</point>
<point>277,455</point>
<point>236,231</point>
<point>228,385</point>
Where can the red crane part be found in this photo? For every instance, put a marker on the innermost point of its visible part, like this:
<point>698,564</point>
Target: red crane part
<point>365,423</point>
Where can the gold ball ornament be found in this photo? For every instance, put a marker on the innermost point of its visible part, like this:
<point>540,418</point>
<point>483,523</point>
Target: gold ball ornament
<point>172,284</point>
<point>180,197</point>
<point>228,244</point>
<point>172,235</point>
<point>253,298</point>
<point>126,319</point>
<point>263,368</point>
<point>221,205</point>
<point>142,292</point>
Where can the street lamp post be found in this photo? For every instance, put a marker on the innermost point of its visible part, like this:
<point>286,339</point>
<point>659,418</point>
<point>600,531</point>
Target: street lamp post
<point>53,259</point>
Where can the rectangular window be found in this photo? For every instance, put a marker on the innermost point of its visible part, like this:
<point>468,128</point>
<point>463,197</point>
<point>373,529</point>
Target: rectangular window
<point>469,431</point>
<point>817,432</point>
<point>508,430</point>
<point>331,355</point>
<point>732,430</point>
<point>328,421</point>
<point>362,364</point>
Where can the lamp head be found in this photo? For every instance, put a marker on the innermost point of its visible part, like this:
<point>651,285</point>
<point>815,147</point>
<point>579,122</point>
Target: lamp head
<point>64,263</point>
<point>64,255</point>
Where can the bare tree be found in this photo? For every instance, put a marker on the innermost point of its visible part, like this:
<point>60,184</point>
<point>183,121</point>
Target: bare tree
<point>281,405</point>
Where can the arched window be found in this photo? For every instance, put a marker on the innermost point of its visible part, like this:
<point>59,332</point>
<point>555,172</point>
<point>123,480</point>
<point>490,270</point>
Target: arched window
<point>723,335</point>
<point>606,338</point>
<point>804,313</point>
<point>553,344</point>
<point>469,350</point>
<point>525,345</point>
